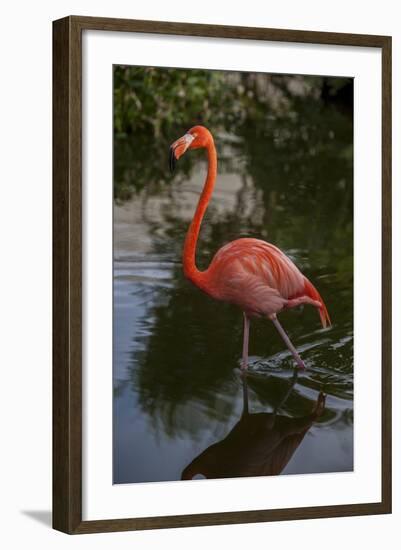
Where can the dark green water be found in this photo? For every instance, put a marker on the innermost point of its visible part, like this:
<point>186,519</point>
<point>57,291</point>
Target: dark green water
<point>177,387</point>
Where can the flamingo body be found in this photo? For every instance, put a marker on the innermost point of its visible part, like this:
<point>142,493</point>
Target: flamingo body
<point>260,279</point>
<point>252,274</point>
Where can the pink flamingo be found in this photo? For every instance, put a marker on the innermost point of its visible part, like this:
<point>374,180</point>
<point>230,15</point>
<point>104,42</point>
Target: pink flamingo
<point>250,273</point>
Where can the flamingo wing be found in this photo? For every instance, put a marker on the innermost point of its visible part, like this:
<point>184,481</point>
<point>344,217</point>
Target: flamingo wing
<point>261,279</point>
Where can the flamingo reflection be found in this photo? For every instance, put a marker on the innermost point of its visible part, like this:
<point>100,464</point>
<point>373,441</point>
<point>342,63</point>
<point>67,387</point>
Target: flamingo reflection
<point>260,444</point>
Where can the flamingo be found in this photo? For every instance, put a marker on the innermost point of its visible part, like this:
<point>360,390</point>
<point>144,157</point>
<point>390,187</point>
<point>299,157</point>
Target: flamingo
<point>253,274</point>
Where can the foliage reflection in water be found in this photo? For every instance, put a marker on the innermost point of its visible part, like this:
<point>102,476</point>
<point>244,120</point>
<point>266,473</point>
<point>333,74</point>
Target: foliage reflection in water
<point>285,176</point>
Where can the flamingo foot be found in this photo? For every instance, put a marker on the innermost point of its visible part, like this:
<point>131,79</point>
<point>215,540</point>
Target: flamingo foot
<point>301,365</point>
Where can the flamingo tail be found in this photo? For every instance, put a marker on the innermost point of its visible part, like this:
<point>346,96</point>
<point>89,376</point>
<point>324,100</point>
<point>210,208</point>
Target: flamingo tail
<point>311,291</point>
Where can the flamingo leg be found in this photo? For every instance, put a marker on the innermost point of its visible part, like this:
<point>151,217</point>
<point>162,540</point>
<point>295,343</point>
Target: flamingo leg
<point>287,341</point>
<point>245,344</point>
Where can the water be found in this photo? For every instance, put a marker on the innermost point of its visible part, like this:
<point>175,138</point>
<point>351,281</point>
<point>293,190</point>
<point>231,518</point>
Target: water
<point>181,407</point>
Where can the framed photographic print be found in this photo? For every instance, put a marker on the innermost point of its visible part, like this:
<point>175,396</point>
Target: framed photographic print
<point>222,273</point>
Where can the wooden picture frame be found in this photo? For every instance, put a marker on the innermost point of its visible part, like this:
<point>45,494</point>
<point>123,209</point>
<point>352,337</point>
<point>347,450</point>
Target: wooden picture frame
<point>67,273</point>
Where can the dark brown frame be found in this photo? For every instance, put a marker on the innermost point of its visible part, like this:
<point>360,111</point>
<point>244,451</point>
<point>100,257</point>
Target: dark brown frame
<point>67,278</point>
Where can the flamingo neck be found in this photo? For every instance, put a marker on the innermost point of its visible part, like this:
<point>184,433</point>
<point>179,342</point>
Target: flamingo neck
<point>189,254</point>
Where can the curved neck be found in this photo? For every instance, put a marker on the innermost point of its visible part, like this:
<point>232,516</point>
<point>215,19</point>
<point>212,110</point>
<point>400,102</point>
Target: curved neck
<point>189,254</point>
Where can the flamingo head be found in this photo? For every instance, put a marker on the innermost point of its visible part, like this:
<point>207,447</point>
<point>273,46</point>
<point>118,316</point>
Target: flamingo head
<point>196,138</point>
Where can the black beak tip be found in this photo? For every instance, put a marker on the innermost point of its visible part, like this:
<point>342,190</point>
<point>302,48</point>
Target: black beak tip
<point>172,160</point>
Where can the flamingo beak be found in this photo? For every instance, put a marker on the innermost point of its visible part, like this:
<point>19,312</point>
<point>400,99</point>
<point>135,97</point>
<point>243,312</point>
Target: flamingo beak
<point>172,159</point>
<point>178,148</point>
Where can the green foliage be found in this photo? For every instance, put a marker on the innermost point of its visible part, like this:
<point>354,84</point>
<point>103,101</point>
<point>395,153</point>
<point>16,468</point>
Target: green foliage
<point>157,101</point>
